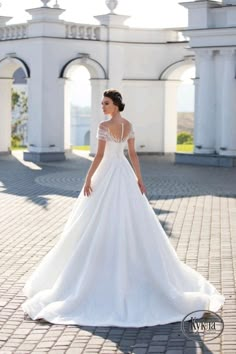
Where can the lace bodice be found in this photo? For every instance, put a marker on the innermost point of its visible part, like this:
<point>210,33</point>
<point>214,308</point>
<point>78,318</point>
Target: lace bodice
<point>104,133</point>
<point>114,146</point>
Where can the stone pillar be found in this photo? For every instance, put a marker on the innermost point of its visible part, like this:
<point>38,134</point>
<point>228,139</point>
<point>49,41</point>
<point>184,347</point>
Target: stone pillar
<point>5,114</point>
<point>196,104</point>
<point>228,104</point>
<point>46,138</point>
<point>115,53</point>
<point>97,115</point>
<point>170,116</point>
<point>66,83</point>
<point>46,117</point>
<point>196,115</point>
<point>45,22</point>
<point>205,110</point>
<point>199,12</point>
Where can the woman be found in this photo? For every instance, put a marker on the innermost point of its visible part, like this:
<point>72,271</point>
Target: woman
<point>114,264</point>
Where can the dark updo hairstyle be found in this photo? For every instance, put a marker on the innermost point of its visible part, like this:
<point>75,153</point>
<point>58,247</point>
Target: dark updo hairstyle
<point>116,97</point>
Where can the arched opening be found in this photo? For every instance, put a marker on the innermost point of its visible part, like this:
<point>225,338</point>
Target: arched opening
<point>14,104</point>
<point>80,107</point>
<point>185,111</point>
<point>80,94</point>
<point>179,105</point>
<point>19,100</point>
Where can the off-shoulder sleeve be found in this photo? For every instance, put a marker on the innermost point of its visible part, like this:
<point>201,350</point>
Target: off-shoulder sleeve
<point>101,133</point>
<point>131,134</point>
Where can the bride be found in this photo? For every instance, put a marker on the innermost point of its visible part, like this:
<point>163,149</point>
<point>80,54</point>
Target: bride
<point>114,264</point>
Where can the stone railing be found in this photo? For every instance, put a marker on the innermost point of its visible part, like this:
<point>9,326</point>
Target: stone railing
<point>18,31</point>
<point>82,31</point>
<point>72,30</point>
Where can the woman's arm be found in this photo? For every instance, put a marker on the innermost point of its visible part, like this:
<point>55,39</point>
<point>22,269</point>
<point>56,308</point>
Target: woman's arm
<point>97,159</point>
<point>135,163</point>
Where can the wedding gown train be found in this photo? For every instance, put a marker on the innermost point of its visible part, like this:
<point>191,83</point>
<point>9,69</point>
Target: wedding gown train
<point>114,265</point>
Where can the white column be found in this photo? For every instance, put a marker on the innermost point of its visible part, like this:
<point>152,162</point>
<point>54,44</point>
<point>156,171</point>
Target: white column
<point>228,104</point>
<point>5,114</point>
<point>219,91</point>
<point>205,101</point>
<point>196,104</point>
<point>97,115</point>
<point>67,112</point>
<point>197,125</point>
<point>46,117</point>
<point>170,116</point>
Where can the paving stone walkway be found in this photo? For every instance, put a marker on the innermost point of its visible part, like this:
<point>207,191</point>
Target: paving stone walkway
<point>197,208</point>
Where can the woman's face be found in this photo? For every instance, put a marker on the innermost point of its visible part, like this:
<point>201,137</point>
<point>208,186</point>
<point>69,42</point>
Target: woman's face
<point>108,106</point>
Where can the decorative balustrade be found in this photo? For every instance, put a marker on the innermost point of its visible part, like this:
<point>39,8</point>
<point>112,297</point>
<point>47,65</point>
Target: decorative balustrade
<point>17,31</point>
<point>82,31</point>
<point>72,30</point>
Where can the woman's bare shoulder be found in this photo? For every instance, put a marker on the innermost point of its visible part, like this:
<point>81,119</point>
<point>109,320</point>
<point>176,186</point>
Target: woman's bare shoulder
<point>126,121</point>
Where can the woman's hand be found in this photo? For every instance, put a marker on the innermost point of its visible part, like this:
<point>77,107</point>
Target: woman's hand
<point>87,188</point>
<point>142,187</point>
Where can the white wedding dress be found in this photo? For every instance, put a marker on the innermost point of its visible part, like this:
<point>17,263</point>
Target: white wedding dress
<point>114,264</point>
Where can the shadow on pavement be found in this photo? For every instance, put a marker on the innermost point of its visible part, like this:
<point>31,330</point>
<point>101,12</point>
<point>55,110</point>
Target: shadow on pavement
<point>167,338</point>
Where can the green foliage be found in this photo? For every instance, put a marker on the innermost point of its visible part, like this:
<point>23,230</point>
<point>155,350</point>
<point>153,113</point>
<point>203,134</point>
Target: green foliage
<point>16,140</point>
<point>184,138</point>
<point>15,97</point>
<point>14,127</point>
<point>23,103</point>
<point>20,100</point>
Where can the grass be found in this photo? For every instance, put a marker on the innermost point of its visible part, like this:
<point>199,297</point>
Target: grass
<point>184,148</point>
<point>179,148</point>
<point>85,147</point>
<point>18,148</point>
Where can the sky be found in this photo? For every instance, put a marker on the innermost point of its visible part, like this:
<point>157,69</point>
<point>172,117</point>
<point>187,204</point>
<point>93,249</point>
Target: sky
<point>144,13</point>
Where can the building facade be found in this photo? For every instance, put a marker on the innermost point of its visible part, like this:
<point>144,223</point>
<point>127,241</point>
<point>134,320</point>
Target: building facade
<point>211,30</point>
<point>145,64</point>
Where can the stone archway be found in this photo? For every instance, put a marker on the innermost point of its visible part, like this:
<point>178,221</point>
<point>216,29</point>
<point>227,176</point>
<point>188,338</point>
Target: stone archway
<point>171,80</point>
<point>8,66</point>
<point>98,77</point>
<point>95,69</point>
<point>175,70</point>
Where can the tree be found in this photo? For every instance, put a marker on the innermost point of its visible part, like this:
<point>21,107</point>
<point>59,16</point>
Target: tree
<point>184,138</point>
<point>15,98</point>
<point>23,103</point>
<point>19,122</point>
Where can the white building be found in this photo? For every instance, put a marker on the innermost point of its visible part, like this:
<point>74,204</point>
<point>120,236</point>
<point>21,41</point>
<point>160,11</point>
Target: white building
<point>145,64</point>
<point>212,29</point>
<point>80,126</point>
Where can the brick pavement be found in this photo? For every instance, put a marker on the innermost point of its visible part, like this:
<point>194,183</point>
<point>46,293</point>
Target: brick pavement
<point>196,206</point>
